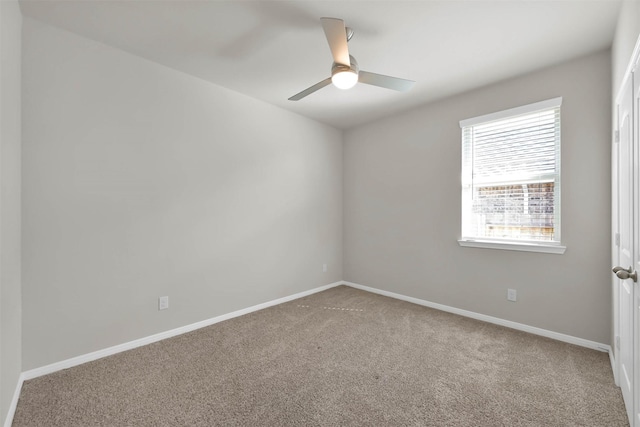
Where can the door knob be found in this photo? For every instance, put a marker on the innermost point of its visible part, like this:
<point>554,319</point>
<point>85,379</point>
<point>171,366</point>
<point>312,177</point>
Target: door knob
<point>626,273</point>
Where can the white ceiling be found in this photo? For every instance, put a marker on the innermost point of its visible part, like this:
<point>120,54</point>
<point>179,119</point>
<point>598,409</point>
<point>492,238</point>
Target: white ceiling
<point>271,50</point>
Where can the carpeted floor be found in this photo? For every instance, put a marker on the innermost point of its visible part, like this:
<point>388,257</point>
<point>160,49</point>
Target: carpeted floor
<point>340,357</point>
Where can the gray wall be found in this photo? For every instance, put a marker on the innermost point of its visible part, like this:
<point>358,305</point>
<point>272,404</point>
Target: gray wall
<point>625,39</point>
<point>10,130</point>
<point>140,181</point>
<point>402,207</point>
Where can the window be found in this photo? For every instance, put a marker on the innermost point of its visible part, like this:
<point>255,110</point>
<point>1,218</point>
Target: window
<point>511,179</point>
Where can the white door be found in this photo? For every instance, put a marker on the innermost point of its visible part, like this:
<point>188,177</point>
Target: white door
<point>624,164</point>
<point>635,78</point>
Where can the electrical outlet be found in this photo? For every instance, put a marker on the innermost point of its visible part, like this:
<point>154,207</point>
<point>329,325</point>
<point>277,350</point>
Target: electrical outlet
<point>163,303</point>
<point>511,294</point>
<point>324,268</point>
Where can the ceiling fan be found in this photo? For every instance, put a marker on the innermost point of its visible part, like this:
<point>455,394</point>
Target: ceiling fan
<point>344,71</point>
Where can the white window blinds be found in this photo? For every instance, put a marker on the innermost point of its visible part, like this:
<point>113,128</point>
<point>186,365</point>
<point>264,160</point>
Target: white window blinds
<point>511,175</point>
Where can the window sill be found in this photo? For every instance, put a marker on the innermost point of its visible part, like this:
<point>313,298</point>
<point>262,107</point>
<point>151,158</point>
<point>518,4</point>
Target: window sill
<point>525,247</point>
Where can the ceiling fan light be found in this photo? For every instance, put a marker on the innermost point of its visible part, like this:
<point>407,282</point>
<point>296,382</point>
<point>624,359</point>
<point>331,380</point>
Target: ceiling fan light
<point>344,79</point>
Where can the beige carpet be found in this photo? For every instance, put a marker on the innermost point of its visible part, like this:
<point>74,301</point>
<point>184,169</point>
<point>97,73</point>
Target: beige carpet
<point>340,357</point>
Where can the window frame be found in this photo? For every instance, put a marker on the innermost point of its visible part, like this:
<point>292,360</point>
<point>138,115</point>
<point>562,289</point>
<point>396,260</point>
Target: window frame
<point>553,247</point>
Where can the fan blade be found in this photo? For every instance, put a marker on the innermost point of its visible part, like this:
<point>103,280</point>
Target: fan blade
<point>388,82</point>
<point>310,90</point>
<point>336,34</point>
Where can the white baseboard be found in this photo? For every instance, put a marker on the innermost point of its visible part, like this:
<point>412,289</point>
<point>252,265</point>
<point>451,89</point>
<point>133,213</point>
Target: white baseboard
<point>75,361</point>
<point>614,367</point>
<point>495,320</point>
<point>14,402</point>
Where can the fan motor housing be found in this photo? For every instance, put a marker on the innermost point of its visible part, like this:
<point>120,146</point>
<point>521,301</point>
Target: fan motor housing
<point>338,68</point>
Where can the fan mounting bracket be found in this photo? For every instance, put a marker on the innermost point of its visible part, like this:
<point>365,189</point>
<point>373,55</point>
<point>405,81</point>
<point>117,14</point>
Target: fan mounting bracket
<point>349,32</point>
